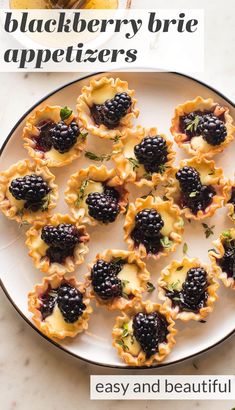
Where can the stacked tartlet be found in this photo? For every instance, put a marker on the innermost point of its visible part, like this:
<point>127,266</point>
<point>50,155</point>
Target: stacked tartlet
<point>153,224</point>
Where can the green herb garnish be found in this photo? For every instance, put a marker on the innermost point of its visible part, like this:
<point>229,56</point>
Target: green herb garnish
<point>134,162</point>
<point>193,194</point>
<point>97,158</point>
<point>208,230</point>
<point>166,242</point>
<point>213,250</point>
<point>192,126</point>
<point>185,248</point>
<point>65,113</point>
<point>173,286</point>
<point>150,287</point>
<point>81,193</point>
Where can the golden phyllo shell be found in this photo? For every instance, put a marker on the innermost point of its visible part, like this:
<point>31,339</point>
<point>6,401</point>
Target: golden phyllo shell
<point>15,208</point>
<point>133,275</point>
<point>97,93</point>
<point>209,175</point>
<point>54,325</point>
<point>197,145</point>
<point>172,279</point>
<point>35,124</point>
<point>216,254</point>
<point>128,348</point>
<point>89,180</point>
<point>171,233</point>
<point>229,198</point>
<point>128,166</point>
<point>38,247</point>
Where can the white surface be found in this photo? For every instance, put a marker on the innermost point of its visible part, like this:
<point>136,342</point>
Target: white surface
<point>158,94</point>
<point>33,372</point>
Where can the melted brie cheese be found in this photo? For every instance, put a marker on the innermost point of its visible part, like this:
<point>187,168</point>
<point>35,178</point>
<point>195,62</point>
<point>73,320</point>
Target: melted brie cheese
<point>129,273</point>
<point>130,341</point>
<point>103,93</point>
<point>39,245</point>
<point>198,143</point>
<point>57,322</point>
<point>168,223</point>
<point>55,155</point>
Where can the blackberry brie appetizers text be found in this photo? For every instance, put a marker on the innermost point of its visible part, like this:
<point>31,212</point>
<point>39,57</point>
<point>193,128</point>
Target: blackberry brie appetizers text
<point>96,195</point>
<point>52,136</point>
<point>107,107</point>
<point>57,245</point>
<point>143,156</point>
<point>144,334</point>
<point>153,227</point>
<point>196,187</point>
<point>223,257</point>
<point>188,289</point>
<point>60,307</point>
<point>27,192</point>
<point>116,278</point>
<point>202,127</point>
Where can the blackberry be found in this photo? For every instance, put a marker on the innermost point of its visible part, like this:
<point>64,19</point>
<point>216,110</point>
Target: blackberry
<point>32,189</point>
<point>151,153</point>
<point>57,254</point>
<point>194,287</point>
<point>189,179</point>
<point>152,244</point>
<point>43,141</point>
<point>104,280</point>
<point>189,123</point>
<point>61,236</point>
<point>70,302</point>
<point>149,222</point>
<point>111,112</point>
<point>201,200</point>
<point>47,300</point>
<point>212,129</point>
<point>111,192</point>
<point>232,199</point>
<point>150,330</point>
<point>227,262</point>
<point>64,136</point>
<point>102,208</point>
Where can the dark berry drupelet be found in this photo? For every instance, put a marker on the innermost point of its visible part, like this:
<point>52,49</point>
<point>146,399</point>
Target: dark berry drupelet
<point>70,302</point>
<point>102,208</point>
<point>111,112</point>
<point>61,236</point>
<point>43,141</point>
<point>111,192</point>
<point>149,222</point>
<point>150,330</point>
<point>227,262</point>
<point>194,287</point>
<point>212,129</point>
<point>57,254</point>
<point>32,189</point>
<point>189,179</point>
<point>104,280</point>
<point>64,136</point>
<point>151,153</point>
<point>47,301</point>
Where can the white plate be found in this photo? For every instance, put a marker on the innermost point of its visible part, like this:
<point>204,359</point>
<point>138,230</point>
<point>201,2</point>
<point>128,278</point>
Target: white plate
<point>158,94</point>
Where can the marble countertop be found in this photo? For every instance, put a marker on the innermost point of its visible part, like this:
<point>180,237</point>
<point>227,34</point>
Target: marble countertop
<point>34,373</point>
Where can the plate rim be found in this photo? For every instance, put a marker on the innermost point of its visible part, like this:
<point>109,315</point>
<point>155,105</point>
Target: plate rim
<point>53,342</point>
